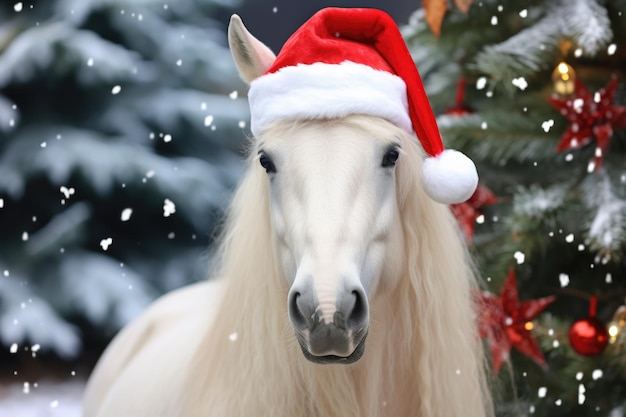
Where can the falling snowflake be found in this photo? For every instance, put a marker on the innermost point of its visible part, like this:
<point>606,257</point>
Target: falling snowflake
<point>116,89</point>
<point>234,95</point>
<point>105,243</point>
<point>542,391</point>
<point>18,7</point>
<point>208,120</point>
<point>520,83</point>
<point>611,49</point>
<point>169,208</point>
<point>547,125</point>
<point>581,394</point>
<point>126,213</point>
<point>67,192</point>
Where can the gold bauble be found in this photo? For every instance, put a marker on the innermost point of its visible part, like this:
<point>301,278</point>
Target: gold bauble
<point>617,325</point>
<point>564,79</point>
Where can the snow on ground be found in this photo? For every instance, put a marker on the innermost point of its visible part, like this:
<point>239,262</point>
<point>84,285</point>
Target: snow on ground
<point>45,399</point>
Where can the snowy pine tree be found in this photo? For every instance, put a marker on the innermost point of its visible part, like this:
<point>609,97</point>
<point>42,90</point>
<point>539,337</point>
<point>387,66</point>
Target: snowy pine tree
<point>120,140</point>
<point>559,218</point>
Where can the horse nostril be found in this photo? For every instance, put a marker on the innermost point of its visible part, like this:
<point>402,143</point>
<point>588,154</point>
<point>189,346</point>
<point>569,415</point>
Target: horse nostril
<point>357,317</point>
<point>296,315</point>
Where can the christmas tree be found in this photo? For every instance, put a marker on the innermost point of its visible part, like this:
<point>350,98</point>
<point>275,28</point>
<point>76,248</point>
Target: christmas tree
<point>535,93</point>
<point>120,140</point>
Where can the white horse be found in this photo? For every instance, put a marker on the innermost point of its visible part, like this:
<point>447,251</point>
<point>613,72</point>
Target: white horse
<point>330,237</point>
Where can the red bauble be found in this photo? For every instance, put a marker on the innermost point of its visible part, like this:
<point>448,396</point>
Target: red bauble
<point>588,336</point>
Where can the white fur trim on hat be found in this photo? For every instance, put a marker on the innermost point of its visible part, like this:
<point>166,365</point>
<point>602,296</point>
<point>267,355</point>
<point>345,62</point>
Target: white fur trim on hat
<point>449,177</point>
<point>323,90</point>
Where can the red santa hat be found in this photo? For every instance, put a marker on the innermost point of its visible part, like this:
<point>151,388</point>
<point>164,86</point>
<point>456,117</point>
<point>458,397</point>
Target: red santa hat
<point>355,61</point>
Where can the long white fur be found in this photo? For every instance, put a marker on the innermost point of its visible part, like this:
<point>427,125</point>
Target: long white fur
<point>423,356</point>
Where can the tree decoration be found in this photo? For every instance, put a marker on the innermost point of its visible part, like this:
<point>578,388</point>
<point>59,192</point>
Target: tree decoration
<point>466,213</point>
<point>589,336</point>
<point>592,117</point>
<point>435,10</point>
<point>506,322</point>
<point>459,108</point>
<point>617,325</point>
<point>564,79</point>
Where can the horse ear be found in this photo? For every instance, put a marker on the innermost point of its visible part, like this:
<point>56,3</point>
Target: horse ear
<point>251,56</point>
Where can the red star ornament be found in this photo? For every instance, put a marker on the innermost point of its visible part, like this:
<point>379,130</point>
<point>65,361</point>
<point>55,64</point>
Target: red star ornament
<point>506,323</point>
<point>591,117</point>
<point>466,213</point>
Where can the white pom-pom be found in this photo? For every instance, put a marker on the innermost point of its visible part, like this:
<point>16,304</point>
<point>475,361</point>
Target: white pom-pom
<point>449,177</point>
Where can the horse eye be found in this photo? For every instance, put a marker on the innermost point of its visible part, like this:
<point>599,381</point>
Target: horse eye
<point>267,163</point>
<point>390,157</point>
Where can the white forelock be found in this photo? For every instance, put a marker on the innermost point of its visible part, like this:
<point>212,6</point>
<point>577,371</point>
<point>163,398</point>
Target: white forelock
<point>320,91</point>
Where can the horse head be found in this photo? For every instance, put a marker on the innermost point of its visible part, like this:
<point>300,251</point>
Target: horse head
<point>333,212</point>
<point>332,114</point>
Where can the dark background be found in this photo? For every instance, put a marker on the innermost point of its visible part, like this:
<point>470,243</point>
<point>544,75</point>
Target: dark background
<point>273,28</point>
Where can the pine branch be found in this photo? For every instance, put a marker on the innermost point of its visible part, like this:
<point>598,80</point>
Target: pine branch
<point>165,41</point>
<point>523,54</point>
<point>38,321</point>
<point>59,231</point>
<point>607,227</point>
<point>81,151</point>
<point>497,137</point>
<point>587,22</point>
<point>9,117</point>
<point>38,48</point>
<point>97,287</point>
<point>531,50</point>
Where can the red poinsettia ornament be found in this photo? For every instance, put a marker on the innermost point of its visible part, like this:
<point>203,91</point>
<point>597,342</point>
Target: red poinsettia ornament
<point>592,117</point>
<point>506,323</point>
<point>466,213</point>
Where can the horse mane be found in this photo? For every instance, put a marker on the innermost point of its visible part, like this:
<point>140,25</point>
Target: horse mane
<point>423,346</point>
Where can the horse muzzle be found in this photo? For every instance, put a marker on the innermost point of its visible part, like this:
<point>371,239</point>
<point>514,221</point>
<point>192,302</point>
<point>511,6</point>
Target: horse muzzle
<point>332,331</point>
